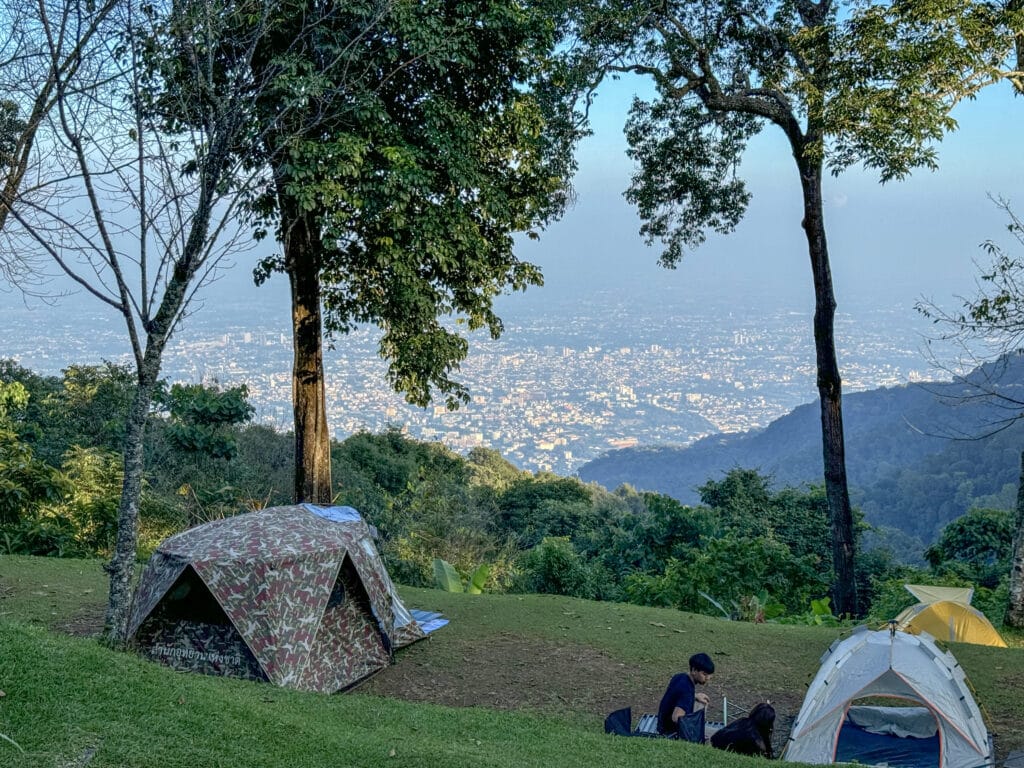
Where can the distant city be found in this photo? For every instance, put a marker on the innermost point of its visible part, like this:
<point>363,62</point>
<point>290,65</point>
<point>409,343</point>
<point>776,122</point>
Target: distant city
<point>568,380</point>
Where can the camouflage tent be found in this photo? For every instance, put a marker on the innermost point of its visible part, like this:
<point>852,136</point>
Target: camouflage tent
<point>297,596</point>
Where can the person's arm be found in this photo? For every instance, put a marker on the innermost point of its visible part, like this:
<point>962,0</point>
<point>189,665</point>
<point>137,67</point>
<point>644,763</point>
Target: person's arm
<point>677,713</point>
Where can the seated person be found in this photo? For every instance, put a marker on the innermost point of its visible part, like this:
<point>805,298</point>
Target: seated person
<point>681,699</point>
<point>750,735</point>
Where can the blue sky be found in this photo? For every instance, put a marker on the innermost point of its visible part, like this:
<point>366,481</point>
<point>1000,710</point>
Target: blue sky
<point>889,244</point>
<point>892,243</point>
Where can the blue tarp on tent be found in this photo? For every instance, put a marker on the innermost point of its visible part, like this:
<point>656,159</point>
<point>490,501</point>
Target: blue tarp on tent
<point>428,620</point>
<point>337,514</point>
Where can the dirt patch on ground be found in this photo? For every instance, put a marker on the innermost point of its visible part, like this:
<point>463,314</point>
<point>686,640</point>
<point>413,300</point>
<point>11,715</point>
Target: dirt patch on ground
<point>502,672</point>
<point>570,680</point>
<point>510,672</point>
<point>86,622</point>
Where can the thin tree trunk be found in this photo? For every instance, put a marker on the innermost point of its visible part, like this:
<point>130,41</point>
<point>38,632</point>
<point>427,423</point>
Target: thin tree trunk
<point>122,565</point>
<point>312,439</point>
<point>158,331</point>
<point>844,589</point>
<point>1015,608</point>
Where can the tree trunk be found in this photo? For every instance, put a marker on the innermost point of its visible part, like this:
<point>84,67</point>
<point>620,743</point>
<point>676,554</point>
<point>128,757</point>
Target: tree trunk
<point>1015,608</point>
<point>122,565</point>
<point>312,439</point>
<point>148,361</point>
<point>844,589</point>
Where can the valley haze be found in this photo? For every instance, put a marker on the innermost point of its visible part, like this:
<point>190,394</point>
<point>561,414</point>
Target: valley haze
<point>572,377</point>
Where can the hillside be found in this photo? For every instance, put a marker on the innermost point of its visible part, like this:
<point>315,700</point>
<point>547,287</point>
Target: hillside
<point>917,455</point>
<point>513,681</point>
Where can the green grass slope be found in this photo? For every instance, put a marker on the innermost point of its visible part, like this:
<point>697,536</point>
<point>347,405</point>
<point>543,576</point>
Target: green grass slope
<point>69,701</point>
<point>512,681</point>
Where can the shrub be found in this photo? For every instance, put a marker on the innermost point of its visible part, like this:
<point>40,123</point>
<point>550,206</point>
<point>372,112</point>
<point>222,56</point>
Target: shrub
<point>554,567</point>
<point>735,567</point>
<point>647,589</point>
<point>42,535</point>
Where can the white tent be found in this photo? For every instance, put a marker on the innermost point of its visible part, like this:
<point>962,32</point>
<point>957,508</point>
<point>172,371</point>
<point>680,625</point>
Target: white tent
<point>937,724</point>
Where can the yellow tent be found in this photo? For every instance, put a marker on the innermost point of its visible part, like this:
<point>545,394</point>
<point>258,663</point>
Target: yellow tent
<point>946,613</point>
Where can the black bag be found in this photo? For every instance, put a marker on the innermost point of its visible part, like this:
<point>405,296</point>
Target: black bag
<point>691,727</point>
<point>619,722</point>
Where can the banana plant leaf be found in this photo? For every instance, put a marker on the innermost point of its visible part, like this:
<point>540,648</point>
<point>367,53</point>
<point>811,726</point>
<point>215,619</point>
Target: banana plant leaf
<point>446,577</point>
<point>478,579</point>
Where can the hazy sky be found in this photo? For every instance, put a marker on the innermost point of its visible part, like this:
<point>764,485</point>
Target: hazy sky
<point>889,243</point>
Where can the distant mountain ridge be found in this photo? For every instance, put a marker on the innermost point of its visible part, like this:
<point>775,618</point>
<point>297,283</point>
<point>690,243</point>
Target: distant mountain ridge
<point>905,468</point>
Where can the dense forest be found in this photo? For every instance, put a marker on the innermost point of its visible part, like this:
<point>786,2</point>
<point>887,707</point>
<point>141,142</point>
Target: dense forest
<point>745,548</point>
<point>918,456</point>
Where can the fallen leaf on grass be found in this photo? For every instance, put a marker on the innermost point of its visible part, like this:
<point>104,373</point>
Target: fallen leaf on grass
<point>655,623</point>
<point>392,752</point>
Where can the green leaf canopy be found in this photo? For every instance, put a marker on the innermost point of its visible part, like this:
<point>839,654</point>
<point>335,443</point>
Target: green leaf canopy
<point>420,137</point>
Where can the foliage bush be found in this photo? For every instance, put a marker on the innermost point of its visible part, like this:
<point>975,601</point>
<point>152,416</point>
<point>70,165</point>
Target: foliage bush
<point>753,550</point>
<point>535,508</point>
<point>449,580</point>
<point>45,535</point>
<point>734,567</point>
<point>993,602</point>
<point>649,589</point>
<point>819,614</point>
<point>554,567</point>
<point>96,476</point>
<point>410,558</point>
<point>975,547</point>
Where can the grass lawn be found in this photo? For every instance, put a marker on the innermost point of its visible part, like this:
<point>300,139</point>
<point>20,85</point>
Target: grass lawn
<point>512,681</point>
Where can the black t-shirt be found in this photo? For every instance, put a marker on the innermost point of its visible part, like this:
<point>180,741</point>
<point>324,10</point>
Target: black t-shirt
<point>680,693</point>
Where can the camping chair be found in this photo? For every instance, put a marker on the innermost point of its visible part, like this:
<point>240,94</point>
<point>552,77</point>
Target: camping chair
<point>619,723</point>
<point>648,726</point>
